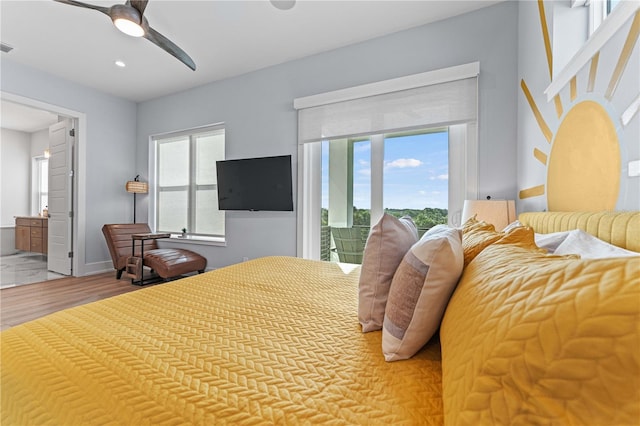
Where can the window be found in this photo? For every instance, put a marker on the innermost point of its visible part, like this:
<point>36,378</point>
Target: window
<point>410,174</point>
<point>598,11</point>
<point>611,4</point>
<point>184,180</point>
<point>379,113</point>
<point>40,185</point>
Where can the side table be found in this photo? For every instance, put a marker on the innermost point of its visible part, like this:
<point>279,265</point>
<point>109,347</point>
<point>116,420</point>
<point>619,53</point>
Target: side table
<point>135,264</point>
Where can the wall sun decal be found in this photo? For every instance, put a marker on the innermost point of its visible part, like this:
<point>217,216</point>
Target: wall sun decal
<point>583,158</point>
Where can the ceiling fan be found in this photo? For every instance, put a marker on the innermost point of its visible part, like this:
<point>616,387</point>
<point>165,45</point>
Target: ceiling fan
<point>129,18</point>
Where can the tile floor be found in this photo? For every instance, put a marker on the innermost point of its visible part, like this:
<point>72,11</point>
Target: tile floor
<point>24,268</point>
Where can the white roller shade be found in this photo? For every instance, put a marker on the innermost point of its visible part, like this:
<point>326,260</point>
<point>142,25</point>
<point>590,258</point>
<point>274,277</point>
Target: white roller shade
<point>448,103</point>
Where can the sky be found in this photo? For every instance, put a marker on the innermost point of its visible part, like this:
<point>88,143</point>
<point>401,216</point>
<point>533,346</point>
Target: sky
<point>416,172</point>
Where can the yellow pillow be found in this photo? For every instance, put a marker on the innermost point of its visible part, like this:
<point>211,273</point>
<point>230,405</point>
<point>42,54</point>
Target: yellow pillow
<point>476,236</point>
<point>522,236</point>
<point>530,338</point>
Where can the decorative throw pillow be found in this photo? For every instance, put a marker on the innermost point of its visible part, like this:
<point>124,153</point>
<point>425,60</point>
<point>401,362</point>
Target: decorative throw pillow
<point>476,236</point>
<point>420,291</point>
<point>590,247</point>
<point>522,237</point>
<point>388,241</point>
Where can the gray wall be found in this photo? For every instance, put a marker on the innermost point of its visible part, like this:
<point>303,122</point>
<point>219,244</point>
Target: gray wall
<point>257,109</point>
<point>109,148</point>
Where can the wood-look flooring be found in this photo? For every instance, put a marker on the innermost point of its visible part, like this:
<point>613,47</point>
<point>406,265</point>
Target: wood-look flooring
<point>30,301</point>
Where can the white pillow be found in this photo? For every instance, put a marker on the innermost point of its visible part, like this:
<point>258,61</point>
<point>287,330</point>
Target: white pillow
<point>514,224</point>
<point>590,247</point>
<point>420,292</point>
<point>551,241</point>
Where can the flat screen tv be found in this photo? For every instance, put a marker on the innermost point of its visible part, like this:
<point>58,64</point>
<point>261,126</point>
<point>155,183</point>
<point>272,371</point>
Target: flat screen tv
<point>255,184</point>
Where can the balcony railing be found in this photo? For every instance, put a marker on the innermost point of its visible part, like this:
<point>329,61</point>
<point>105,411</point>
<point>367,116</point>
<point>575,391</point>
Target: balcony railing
<point>328,248</point>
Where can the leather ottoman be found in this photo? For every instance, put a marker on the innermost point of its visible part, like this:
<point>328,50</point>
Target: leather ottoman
<point>169,263</point>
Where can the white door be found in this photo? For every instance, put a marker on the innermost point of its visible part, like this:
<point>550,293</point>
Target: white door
<point>59,255</point>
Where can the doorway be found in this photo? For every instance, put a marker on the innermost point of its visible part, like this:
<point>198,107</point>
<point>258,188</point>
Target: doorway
<point>73,154</point>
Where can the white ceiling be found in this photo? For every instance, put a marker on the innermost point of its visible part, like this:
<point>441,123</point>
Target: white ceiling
<point>225,38</point>
<point>23,118</point>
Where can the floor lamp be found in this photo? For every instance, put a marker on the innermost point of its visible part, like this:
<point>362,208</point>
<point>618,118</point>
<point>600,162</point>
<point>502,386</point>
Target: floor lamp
<point>136,187</point>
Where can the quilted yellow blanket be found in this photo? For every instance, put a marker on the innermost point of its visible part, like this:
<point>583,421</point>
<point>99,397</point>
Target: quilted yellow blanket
<point>271,341</point>
<point>530,338</point>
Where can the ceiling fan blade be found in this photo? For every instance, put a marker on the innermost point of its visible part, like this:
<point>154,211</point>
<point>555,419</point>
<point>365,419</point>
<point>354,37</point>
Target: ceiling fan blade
<point>158,39</point>
<point>140,5</point>
<point>102,9</point>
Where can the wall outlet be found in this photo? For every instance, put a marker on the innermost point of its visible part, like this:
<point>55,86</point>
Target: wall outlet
<point>244,259</point>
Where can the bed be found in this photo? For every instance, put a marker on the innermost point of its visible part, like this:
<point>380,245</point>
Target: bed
<point>277,341</point>
<point>269,341</point>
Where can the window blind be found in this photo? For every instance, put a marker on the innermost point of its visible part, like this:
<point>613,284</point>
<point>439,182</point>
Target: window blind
<point>434,105</point>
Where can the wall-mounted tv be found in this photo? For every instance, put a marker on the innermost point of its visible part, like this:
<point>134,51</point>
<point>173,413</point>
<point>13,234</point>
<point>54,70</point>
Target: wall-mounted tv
<point>255,184</point>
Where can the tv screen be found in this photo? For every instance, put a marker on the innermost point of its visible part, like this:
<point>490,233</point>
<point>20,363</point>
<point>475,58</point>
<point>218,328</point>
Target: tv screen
<point>255,184</point>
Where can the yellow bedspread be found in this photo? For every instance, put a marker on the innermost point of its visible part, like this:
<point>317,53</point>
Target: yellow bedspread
<point>271,341</point>
<point>531,339</point>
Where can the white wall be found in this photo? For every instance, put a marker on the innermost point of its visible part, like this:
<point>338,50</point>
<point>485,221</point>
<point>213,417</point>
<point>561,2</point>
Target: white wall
<point>14,184</point>
<point>15,156</point>
<point>257,109</point>
<point>109,150</point>
<point>39,142</point>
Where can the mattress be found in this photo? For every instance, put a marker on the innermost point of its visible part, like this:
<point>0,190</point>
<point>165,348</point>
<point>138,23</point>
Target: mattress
<point>271,341</point>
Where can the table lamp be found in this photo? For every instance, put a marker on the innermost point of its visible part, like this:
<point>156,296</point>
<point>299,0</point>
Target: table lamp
<point>499,213</point>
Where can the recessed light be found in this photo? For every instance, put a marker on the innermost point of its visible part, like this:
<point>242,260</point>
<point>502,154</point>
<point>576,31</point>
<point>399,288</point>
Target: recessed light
<point>283,4</point>
<point>121,64</point>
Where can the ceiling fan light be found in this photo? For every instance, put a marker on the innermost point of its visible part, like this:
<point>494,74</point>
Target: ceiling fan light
<point>127,19</point>
<point>128,27</point>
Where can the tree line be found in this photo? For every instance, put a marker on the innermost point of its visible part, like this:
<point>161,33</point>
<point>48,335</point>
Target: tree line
<point>424,219</point>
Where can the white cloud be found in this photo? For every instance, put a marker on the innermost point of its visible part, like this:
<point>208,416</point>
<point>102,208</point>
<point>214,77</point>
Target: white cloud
<point>402,163</point>
<point>440,177</point>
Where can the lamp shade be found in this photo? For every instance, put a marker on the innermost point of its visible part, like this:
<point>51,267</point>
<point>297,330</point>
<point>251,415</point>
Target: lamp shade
<point>137,187</point>
<point>499,213</point>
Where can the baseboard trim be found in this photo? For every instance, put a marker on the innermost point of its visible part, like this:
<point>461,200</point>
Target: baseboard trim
<point>95,268</point>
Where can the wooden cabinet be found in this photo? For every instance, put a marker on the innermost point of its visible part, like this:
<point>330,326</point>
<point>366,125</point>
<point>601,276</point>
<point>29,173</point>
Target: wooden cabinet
<point>32,234</point>
<point>23,231</point>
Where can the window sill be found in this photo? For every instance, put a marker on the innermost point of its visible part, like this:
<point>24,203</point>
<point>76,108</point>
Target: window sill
<point>198,239</point>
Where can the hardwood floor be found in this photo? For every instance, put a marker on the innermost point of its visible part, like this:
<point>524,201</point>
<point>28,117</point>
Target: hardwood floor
<point>27,302</point>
